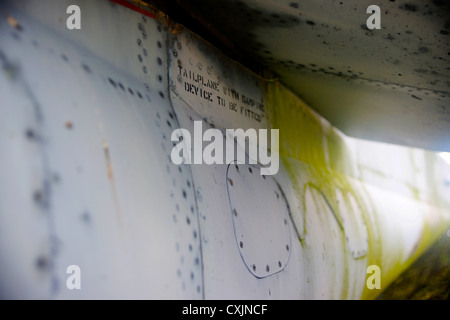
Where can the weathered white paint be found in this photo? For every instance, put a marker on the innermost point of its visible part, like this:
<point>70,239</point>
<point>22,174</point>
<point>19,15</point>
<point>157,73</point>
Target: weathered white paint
<point>87,179</point>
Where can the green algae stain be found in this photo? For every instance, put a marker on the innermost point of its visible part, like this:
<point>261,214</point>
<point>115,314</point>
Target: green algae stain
<point>315,153</point>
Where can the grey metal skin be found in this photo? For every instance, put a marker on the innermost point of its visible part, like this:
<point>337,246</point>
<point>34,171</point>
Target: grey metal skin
<point>87,179</point>
<point>389,84</point>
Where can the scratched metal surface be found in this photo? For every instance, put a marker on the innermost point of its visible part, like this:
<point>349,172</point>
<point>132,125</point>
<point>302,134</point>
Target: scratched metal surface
<point>388,85</point>
<point>86,176</point>
<point>226,273</point>
<point>85,142</point>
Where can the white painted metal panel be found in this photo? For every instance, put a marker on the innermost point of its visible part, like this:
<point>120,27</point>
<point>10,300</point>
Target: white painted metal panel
<point>87,178</point>
<point>98,139</point>
<point>260,219</point>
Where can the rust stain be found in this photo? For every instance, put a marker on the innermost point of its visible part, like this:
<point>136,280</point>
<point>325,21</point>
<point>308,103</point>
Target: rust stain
<point>14,23</point>
<point>109,168</point>
<point>108,161</point>
<point>136,8</point>
<point>141,3</point>
<point>175,28</point>
<point>110,173</point>
<point>69,124</point>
